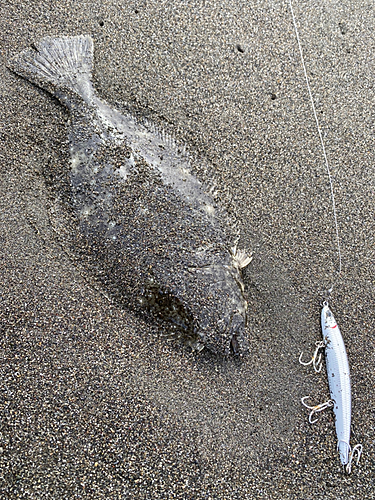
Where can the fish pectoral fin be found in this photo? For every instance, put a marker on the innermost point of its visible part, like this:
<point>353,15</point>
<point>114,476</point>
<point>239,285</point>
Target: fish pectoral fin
<point>241,258</point>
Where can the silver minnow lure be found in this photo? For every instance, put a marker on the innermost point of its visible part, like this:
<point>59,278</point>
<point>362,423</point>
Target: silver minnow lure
<point>339,385</point>
<point>150,231</point>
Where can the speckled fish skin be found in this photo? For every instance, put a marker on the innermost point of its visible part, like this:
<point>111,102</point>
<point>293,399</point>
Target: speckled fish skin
<point>157,239</point>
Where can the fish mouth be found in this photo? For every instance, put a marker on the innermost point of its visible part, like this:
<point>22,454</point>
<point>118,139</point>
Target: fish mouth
<point>234,345</point>
<point>238,343</point>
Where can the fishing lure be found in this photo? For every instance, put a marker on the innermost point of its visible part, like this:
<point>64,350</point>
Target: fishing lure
<point>339,385</point>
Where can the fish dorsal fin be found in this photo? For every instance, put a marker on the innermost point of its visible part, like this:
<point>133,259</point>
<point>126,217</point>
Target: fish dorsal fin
<point>168,140</point>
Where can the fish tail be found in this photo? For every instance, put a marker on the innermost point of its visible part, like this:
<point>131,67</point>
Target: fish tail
<point>60,65</point>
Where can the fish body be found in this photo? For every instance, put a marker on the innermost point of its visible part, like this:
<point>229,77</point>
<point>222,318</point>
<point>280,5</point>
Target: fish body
<point>157,239</point>
<point>338,380</point>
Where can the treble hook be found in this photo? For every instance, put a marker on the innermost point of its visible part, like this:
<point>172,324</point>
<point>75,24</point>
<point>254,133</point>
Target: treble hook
<point>316,360</point>
<point>315,409</point>
<point>357,448</point>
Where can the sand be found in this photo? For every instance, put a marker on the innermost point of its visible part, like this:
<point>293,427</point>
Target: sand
<point>95,403</point>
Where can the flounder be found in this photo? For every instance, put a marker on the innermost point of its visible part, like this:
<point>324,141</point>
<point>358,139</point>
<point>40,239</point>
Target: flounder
<point>158,240</point>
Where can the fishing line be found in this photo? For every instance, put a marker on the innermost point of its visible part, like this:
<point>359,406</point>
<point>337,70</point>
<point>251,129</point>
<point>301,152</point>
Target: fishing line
<point>321,141</point>
<point>336,358</point>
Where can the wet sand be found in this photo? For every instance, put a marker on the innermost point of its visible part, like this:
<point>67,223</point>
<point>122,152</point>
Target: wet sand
<point>95,403</point>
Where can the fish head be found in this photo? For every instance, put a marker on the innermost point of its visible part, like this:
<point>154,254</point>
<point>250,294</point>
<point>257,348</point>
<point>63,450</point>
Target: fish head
<point>220,309</point>
<point>206,309</point>
<point>200,296</point>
